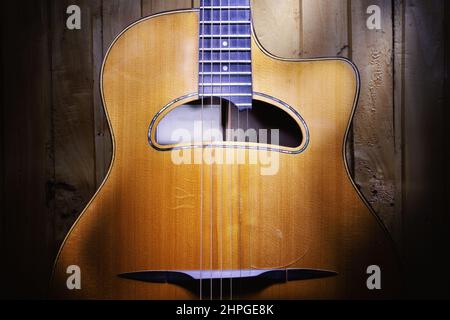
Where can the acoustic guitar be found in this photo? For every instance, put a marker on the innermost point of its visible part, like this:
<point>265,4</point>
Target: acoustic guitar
<point>229,177</point>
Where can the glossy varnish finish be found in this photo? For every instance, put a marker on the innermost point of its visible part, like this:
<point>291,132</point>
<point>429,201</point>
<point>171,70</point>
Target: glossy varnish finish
<point>153,215</point>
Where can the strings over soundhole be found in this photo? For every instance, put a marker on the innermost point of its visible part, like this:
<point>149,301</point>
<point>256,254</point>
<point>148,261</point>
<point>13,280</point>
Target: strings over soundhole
<point>220,121</point>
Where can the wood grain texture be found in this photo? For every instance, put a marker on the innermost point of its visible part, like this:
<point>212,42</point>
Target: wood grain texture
<point>117,15</point>
<point>398,58</point>
<point>425,223</point>
<point>103,144</point>
<point>124,230</point>
<point>325,28</point>
<point>155,6</point>
<point>27,165</point>
<point>72,89</point>
<point>447,83</point>
<point>278,27</point>
<point>373,127</point>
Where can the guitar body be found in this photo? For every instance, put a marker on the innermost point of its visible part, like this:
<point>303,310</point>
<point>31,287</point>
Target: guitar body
<point>151,214</point>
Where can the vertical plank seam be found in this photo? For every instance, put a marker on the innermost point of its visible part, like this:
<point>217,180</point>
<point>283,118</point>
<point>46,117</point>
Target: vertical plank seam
<point>52,105</point>
<point>96,76</point>
<point>350,29</point>
<point>3,220</point>
<point>93,75</point>
<point>394,63</point>
<point>403,113</point>
<point>50,187</point>
<point>394,124</point>
<point>2,143</point>
<point>447,91</point>
<point>398,113</point>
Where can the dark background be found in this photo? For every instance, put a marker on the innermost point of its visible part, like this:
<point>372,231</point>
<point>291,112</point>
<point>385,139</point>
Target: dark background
<point>55,145</point>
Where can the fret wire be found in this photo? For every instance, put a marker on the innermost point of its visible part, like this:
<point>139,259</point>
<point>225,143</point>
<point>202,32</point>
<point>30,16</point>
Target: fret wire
<point>227,95</point>
<point>227,8</point>
<point>225,22</point>
<point>224,3</point>
<point>225,36</point>
<point>226,61</point>
<point>226,84</point>
<point>201,191</point>
<point>226,51</point>
<point>225,73</point>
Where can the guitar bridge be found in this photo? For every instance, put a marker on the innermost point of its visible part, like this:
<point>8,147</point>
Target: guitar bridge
<point>244,280</point>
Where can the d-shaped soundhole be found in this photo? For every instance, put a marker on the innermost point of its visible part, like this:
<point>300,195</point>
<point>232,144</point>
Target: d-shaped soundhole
<point>214,120</point>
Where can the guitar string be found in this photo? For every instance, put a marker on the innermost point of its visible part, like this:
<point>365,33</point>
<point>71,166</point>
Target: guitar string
<point>238,166</point>
<point>231,164</point>
<point>239,154</point>
<point>221,167</point>
<point>202,17</point>
<point>232,167</point>
<point>211,165</point>
<point>244,153</point>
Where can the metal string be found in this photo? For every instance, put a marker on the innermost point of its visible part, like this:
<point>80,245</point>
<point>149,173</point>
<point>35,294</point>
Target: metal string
<point>212,150</point>
<point>249,207</point>
<point>239,194</point>
<point>231,165</point>
<point>202,17</point>
<point>221,167</point>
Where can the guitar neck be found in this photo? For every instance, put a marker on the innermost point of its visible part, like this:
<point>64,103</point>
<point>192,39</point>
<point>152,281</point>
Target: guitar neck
<point>225,51</point>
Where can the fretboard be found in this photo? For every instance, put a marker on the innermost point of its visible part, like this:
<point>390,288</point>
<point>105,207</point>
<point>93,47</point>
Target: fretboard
<point>225,51</point>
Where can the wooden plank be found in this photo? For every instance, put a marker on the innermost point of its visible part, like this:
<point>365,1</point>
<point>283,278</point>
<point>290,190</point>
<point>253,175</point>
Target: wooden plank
<point>447,117</point>
<point>155,6</point>
<point>26,212</point>
<point>117,15</point>
<point>425,231</point>
<point>325,27</point>
<point>73,118</point>
<point>277,25</point>
<point>103,143</point>
<point>373,127</point>
<point>399,109</point>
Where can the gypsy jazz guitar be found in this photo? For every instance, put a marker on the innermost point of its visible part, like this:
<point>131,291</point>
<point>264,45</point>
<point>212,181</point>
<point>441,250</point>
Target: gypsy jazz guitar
<point>229,178</point>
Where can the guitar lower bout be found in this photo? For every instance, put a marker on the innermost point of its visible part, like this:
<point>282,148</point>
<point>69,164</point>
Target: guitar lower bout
<point>152,213</point>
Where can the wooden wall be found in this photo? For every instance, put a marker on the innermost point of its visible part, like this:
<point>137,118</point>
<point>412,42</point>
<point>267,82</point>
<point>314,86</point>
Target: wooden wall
<point>56,146</point>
